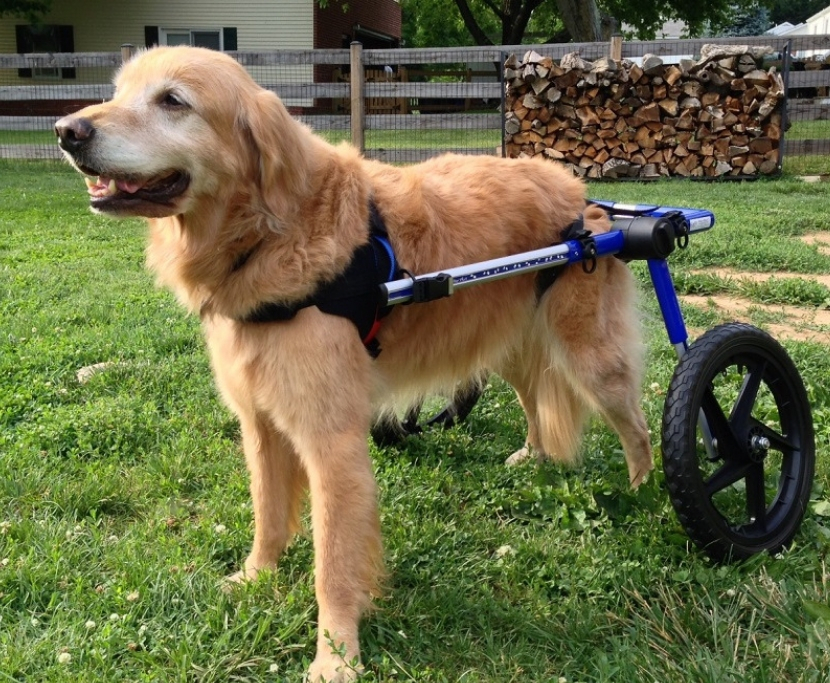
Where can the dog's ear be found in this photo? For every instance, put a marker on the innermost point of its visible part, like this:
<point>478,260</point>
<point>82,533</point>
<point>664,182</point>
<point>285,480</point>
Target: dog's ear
<point>281,152</point>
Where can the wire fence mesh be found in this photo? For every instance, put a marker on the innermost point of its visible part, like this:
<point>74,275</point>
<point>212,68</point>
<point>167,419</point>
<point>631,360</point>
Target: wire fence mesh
<point>37,90</point>
<point>424,102</point>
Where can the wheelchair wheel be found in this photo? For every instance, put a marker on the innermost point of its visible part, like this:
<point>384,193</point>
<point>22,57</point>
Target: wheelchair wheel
<point>391,431</point>
<point>746,490</point>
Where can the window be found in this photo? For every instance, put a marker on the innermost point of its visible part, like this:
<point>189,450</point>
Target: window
<point>199,38</point>
<point>45,38</point>
<point>215,39</point>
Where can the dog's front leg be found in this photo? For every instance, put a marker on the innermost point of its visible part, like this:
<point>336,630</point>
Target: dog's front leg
<point>346,548</point>
<point>277,487</point>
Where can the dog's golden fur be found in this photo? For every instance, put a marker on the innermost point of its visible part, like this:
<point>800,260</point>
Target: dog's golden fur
<point>306,391</point>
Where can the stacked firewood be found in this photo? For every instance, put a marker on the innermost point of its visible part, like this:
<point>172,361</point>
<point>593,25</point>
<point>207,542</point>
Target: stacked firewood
<point>719,116</point>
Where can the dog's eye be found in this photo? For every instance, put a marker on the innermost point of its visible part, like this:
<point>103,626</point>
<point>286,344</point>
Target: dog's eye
<point>172,101</point>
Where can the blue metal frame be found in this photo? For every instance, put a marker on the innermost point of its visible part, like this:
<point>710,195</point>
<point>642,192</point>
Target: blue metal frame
<point>658,269</point>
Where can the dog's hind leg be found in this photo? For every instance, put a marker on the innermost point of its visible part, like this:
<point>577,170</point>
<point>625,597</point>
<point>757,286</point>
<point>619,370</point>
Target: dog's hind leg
<point>555,414</point>
<point>532,448</point>
<point>596,346</point>
<point>277,489</point>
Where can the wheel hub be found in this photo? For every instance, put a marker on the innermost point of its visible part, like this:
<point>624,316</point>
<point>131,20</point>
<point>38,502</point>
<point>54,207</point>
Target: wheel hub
<point>757,446</point>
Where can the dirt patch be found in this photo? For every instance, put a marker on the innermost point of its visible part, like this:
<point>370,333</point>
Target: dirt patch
<point>820,239</point>
<point>799,324</point>
<point>729,273</point>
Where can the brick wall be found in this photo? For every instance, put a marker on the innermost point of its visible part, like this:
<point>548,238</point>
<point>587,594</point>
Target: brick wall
<point>334,28</point>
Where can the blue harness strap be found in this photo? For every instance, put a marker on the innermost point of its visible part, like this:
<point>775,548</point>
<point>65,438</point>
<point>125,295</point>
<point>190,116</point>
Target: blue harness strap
<point>354,293</point>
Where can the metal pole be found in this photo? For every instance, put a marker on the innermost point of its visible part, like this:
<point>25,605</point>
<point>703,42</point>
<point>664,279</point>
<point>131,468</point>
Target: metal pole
<point>787,64</point>
<point>503,108</point>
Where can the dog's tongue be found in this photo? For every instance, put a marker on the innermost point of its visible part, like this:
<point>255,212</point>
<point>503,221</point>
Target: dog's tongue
<point>127,186</point>
<point>105,187</point>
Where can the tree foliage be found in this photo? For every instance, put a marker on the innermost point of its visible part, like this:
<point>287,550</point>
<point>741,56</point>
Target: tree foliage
<point>751,21</point>
<point>510,22</point>
<point>32,10</point>
<point>794,11</point>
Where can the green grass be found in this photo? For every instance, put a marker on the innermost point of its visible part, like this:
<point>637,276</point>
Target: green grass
<point>818,164</point>
<point>809,130</point>
<point>27,137</point>
<point>123,501</point>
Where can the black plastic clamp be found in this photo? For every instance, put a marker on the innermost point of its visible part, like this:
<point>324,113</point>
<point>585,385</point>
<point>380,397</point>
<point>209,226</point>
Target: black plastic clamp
<point>576,231</point>
<point>647,237</point>
<point>431,288</point>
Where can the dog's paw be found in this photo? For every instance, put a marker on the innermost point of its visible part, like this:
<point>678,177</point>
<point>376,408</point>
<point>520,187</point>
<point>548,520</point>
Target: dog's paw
<point>638,472</point>
<point>240,578</point>
<point>524,454</point>
<point>333,669</point>
<point>638,478</point>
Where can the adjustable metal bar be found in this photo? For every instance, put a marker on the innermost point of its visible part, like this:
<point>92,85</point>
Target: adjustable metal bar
<point>400,291</point>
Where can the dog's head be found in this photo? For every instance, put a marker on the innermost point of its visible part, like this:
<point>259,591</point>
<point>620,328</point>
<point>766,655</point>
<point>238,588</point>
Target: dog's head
<point>184,124</point>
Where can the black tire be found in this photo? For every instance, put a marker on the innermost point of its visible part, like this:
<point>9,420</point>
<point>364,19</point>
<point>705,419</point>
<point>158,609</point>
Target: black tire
<point>392,431</point>
<point>750,493</point>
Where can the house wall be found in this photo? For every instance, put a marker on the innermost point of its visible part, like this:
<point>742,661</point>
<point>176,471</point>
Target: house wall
<point>334,28</point>
<point>819,23</point>
<point>102,26</point>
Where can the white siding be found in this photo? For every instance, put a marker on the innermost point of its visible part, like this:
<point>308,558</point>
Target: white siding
<point>103,25</point>
<point>819,23</point>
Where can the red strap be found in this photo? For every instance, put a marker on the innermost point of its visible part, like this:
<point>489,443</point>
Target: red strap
<point>373,332</point>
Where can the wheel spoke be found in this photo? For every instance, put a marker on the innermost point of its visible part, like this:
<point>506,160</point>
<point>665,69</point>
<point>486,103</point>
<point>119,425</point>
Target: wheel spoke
<point>756,501</point>
<point>742,410</point>
<point>721,428</point>
<point>731,472</point>
<point>778,442</point>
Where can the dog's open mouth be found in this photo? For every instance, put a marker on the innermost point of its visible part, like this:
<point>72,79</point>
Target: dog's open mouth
<point>136,196</point>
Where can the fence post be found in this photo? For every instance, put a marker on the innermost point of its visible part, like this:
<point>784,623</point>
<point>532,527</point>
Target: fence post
<point>358,114</point>
<point>616,47</point>
<point>127,51</point>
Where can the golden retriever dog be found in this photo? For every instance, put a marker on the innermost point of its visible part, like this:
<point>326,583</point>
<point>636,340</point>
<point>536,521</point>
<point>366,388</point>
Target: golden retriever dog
<point>247,207</point>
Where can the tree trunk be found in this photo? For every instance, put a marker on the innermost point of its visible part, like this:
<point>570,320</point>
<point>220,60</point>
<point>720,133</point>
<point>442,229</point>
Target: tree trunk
<point>581,19</point>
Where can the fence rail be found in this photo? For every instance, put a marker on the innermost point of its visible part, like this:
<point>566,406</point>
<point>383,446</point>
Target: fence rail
<point>408,104</point>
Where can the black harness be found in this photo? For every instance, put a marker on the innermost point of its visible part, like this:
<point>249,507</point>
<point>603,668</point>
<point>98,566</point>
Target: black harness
<point>354,294</point>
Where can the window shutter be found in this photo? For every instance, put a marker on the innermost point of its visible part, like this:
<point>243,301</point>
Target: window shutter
<point>151,36</point>
<point>66,43</point>
<point>24,45</point>
<point>229,39</point>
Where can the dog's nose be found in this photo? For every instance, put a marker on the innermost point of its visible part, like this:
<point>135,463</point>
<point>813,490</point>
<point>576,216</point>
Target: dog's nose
<point>73,132</point>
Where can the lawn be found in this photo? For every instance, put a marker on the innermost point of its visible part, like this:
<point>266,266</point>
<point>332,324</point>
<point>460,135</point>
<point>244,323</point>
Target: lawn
<point>123,500</point>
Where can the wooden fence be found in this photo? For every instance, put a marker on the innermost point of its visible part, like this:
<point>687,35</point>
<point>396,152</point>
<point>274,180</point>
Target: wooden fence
<point>330,90</point>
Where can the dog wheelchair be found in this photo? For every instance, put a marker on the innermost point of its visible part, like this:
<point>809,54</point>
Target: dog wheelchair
<point>738,446</point>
